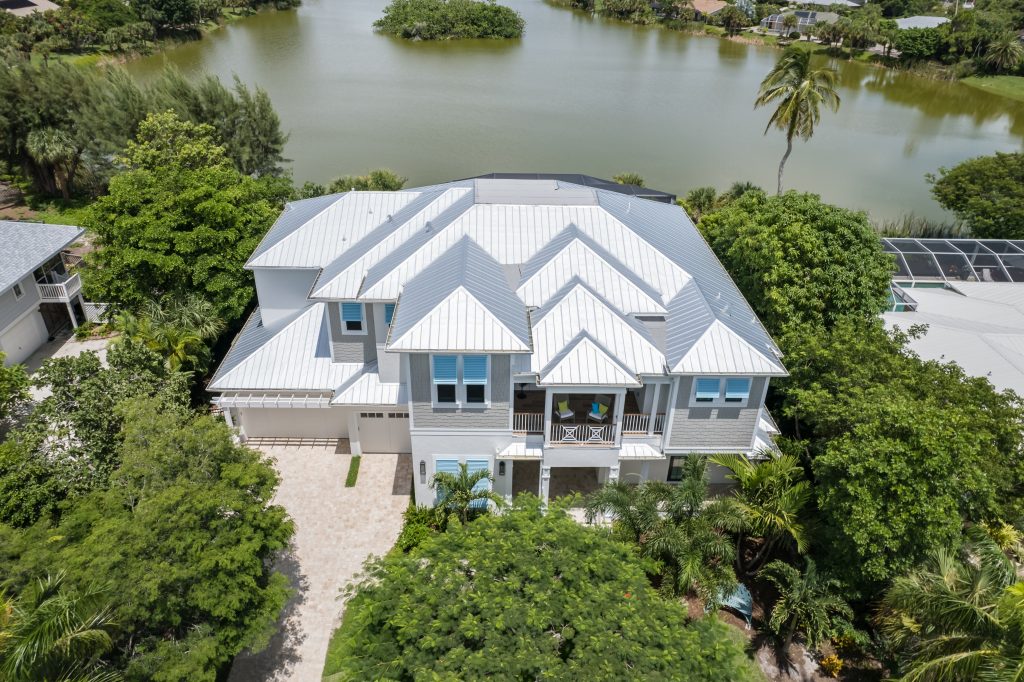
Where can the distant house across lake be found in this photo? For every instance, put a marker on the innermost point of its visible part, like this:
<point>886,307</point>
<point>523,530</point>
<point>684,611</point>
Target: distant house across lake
<point>806,20</point>
<point>920,22</point>
<point>708,8</point>
<point>22,8</point>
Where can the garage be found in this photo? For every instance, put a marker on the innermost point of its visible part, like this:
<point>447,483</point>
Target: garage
<point>386,432</point>
<point>23,338</point>
<point>324,422</point>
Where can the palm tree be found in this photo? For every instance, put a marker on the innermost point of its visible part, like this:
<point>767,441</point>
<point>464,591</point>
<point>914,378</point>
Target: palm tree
<point>788,23</point>
<point>460,494</point>
<point>1005,53</point>
<point>177,330</point>
<point>770,497</point>
<point>53,633</point>
<point>959,616</point>
<point>807,601</point>
<point>799,92</point>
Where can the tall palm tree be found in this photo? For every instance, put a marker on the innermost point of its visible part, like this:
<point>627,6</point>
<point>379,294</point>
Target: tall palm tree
<point>798,91</point>
<point>1005,53</point>
<point>770,496</point>
<point>52,633</point>
<point>460,494</point>
<point>807,601</point>
<point>960,616</point>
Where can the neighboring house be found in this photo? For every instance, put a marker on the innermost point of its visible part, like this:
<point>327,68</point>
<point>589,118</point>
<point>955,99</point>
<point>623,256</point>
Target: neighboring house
<point>708,8</point>
<point>806,21</point>
<point>920,22</point>
<point>557,335</point>
<point>38,294</point>
<point>22,8</point>
<point>970,293</point>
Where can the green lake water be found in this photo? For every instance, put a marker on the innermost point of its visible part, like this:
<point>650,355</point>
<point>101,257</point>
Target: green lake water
<point>587,95</point>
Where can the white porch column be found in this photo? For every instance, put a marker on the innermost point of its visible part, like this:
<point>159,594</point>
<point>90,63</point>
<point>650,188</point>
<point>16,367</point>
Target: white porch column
<point>652,412</point>
<point>228,419</point>
<point>353,433</point>
<point>645,471</point>
<point>545,483</point>
<point>548,397</point>
<point>620,404</point>
<point>71,314</point>
<point>613,474</point>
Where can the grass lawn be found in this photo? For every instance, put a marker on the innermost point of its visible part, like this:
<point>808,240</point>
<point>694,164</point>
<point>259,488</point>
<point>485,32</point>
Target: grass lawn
<point>1007,86</point>
<point>353,471</point>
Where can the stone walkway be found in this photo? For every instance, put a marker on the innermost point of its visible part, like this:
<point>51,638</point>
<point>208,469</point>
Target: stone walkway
<point>336,529</point>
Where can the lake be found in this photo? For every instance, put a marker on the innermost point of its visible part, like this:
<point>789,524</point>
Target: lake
<point>587,95</point>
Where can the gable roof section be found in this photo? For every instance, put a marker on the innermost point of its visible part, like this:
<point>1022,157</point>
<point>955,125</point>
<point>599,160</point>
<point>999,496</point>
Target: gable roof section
<point>460,302</point>
<point>296,357</point>
<point>585,361</point>
<point>577,308</point>
<point>312,239</point>
<point>573,254</point>
<point>26,246</point>
<point>366,388</point>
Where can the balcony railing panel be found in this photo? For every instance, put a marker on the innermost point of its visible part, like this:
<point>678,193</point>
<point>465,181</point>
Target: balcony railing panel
<point>639,424</point>
<point>60,292</point>
<point>582,434</point>
<point>528,422</point>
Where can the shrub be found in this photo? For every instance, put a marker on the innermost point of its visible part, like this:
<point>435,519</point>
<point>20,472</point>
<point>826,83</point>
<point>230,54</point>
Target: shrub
<point>831,665</point>
<point>449,19</point>
<point>794,35</point>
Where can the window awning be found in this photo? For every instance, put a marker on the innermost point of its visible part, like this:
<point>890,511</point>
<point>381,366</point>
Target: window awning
<point>521,451</point>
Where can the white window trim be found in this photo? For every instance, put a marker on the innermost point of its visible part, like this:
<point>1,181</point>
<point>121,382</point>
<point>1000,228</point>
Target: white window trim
<point>720,401</point>
<point>18,290</point>
<point>460,386</point>
<point>351,332</point>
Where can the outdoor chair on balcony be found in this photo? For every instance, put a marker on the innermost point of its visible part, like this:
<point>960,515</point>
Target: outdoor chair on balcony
<point>563,410</point>
<point>599,408</point>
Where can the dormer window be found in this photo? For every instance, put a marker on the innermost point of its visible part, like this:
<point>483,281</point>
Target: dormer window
<point>353,320</point>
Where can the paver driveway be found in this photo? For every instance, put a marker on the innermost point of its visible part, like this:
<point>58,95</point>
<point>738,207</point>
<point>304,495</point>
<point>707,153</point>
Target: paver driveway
<point>336,529</point>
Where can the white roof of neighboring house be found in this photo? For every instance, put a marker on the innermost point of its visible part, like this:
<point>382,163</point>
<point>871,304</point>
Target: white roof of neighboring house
<point>920,22</point>
<point>978,325</point>
<point>599,287</point>
<point>23,8</point>
<point>26,246</point>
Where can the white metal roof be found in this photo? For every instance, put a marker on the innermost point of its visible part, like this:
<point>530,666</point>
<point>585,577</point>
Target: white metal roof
<point>583,361</point>
<point>295,358</point>
<point>920,22</point>
<point>366,388</point>
<point>639,451</point>
<point>26,246</point>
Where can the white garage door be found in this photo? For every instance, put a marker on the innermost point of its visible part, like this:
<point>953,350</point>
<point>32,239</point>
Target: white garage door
<point>384,432</point>
<point>21,340</point>
<point>330,422</point>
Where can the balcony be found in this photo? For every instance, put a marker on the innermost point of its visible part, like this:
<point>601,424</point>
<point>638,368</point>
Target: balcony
<point>60,292</point>
<point>592,435</point>
<point>579,429</point>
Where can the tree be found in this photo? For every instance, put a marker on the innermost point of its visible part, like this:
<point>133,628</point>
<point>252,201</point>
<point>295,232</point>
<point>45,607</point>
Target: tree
<point>52,632</point>
<point>798,93</point>
<point>958,616</point>
<point>449,19</point>
<point>1005,53</point>
<point>985,192</point>
<point>178,330</point>
<point>699,201</point>
<point>800,261</point>
<point>380,180</point>
<point>678,528</point>
<point>629,179</point>
<point>13,387</point>
<point>179,221</point>
<point>732,18</point>
<point>770,497</point>
<point>807,602</point>
<point>524,595</point>
<point>788,23</point>
<point>464,494</point>
<point>916,44</point>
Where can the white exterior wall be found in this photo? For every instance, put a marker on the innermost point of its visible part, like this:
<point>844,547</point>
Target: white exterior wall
<point>281,292</point>
<point>429,447</point>
<point>325,422</point>
<point>22,338</point>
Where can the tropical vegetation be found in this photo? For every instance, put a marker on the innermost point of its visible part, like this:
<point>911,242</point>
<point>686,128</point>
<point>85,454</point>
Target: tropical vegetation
<point>807,601</point>
<point>13,388</point>
<point>464,495</point>
<point>449,20</point>
<point>985,193</point>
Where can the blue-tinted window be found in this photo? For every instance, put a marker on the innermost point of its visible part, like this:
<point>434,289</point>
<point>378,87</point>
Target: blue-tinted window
<point>707,390</point>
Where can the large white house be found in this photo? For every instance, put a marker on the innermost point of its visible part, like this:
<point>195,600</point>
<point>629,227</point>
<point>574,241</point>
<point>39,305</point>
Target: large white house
<point>555,334</point>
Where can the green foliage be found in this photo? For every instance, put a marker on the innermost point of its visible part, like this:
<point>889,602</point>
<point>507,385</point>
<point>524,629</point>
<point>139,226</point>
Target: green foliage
<point>807,602</point>
<point>419,524</point>
<point>182,532</point>
<point>13,387</point>
<point>178,221</point>
<point>987,193</point>
<point>676,527</point>
<point>629,179</point>
<point>634,11</point>
<point>798,92</point>
<point>800,261</point>
<point>178,331</point>
<point>524,595</point>
<point>52,632</point>
<point>380,180</point>
<point>958,616</point>
<point>732,18</point>
<point>353,471</point>
<point>449,19</point>
<point>916,44</point>
<point>461,495</point>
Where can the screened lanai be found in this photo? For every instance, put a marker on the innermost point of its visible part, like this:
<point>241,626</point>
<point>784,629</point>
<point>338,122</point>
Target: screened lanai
<point>935,262</point>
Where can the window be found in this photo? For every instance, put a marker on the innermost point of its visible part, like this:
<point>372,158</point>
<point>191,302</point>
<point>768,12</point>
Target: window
<point>352,321</point>
<point>461,379</point>
<point>737,390</point>
<point>446,378</point>
<point>18,291</point>
<point>707,390</point>
<point>675,468</point>
<point>389,313</point>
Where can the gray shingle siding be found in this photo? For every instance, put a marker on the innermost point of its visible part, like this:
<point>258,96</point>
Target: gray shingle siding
<point>352,347</point>
<point>714,427</point>
<point>11,308</point>
<point>424,415</point>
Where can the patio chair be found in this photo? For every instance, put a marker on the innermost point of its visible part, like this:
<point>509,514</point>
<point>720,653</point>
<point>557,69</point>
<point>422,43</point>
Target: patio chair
<point>563,411</point>
<point>599,408</point>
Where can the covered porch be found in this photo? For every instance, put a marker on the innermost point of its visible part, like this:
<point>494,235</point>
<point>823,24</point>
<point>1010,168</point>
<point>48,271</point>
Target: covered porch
<point>569,415</point>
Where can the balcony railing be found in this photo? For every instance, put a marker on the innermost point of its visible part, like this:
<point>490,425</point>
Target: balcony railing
<point>69,259</point>
<point>639,424</point>
<point>528,422</point>
<point>582,434</point>
<point>62,292</point>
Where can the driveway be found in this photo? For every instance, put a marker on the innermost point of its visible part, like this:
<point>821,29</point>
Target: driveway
<point>336,529</point>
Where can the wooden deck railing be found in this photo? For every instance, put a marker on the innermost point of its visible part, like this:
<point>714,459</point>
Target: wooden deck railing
<point>639,424</point>
<point>60,292</point>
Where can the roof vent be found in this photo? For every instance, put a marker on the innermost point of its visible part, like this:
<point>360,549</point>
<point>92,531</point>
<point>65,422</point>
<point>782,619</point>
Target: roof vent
<point>428,227</point>
<point>389,217</point>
